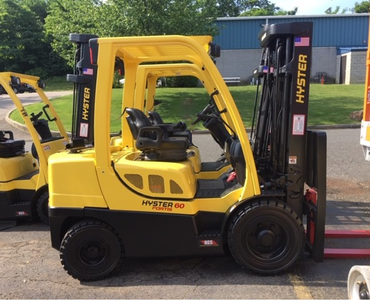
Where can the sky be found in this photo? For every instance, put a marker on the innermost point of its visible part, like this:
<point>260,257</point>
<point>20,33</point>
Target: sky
<point>314,7</point>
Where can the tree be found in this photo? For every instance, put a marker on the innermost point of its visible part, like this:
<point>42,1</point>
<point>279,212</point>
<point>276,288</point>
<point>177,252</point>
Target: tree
<point>250,8</point>
<point>330,11</point>
<point>363,7</point>
<point>38,7</point>
<point>70,16</point>
<point>227,8</point>
<point>145,17</point>
<point>21,37</point>
<point>127,18</point>
<point>24,47</point>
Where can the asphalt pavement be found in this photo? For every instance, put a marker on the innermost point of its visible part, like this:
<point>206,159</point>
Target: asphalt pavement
<point>31,269</point>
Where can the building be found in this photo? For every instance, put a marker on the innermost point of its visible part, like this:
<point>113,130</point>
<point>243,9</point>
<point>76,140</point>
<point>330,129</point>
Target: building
<point>338,54</point>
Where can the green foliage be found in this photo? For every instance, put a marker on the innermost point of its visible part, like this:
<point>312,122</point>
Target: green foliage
<point>20,36</point>
<point>292,12</point>
<point>142,17</point>
<point>236,8</point>
<point>34,34</point>
<point>24,46</point>
<point>126,18</point>
<point>227,8</point>
<point>116,79</point>
<point>330,11</point>
<point>360,7</point>
<point>363,7</point>
<point>70,16</point>
<point>262,8</point>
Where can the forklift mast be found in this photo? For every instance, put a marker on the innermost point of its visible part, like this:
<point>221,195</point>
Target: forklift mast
<point>279,134</point>
<point>84,79</point>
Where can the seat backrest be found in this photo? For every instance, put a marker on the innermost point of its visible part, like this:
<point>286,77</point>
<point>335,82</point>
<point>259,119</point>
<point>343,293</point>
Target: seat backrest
<point>237,160</point>
<point>136,119</point>
<point>155,117</point>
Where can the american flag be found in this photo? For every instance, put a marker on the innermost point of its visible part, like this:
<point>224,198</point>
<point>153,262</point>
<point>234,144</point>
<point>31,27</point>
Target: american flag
<point>87,71</point>
<point>302,41</point>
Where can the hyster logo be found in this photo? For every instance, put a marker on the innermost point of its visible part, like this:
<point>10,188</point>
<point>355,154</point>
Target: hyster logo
<point>162,205</point>
<point>158,205</point>
<point>301,78</point>
<point>85,104</point>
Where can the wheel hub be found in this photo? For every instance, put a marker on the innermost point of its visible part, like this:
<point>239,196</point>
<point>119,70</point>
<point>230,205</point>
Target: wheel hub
<point>266,238</point>
<point>92,252</point>
<point>363,291</point>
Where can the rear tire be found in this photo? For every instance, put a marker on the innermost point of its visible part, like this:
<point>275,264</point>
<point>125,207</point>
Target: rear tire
<point>266,237</point>
<point>43,208</point>
<point>91,250</point>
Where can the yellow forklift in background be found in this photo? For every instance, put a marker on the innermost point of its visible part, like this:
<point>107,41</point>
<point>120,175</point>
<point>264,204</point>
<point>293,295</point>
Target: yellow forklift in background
<point>147,192</point>
<point>24,176</point>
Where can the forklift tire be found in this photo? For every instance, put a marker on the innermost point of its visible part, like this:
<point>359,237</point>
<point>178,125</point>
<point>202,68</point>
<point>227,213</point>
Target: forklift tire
<point>358,282</point>
<point>15,91</point>
<point>266,237</point>
<point>43,208</point>
<point>91,250</point>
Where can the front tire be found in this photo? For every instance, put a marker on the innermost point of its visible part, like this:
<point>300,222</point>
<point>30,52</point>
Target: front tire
<point>91,250</point>
<point>266,237</point>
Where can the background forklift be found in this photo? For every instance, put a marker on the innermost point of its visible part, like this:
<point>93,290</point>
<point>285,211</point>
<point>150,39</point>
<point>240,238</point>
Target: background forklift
<point>147,192</point>
<point>24,176</point>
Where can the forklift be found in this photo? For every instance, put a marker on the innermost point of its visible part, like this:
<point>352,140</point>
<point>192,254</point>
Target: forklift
<point>24,174</point>
<point>146,192</point>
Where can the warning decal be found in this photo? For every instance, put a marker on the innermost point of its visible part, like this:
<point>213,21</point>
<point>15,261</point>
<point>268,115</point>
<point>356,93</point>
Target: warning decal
<point>298,124</point>
<point>84,129</point>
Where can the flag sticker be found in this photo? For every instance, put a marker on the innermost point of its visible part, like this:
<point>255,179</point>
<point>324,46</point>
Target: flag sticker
<point>87,71</point>
<point>302,41</point>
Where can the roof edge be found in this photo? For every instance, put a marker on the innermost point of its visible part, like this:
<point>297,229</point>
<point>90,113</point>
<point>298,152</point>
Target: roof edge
<point>292,17</point>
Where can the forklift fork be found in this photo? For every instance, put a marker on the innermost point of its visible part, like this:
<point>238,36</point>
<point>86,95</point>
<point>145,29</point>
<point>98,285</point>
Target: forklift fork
<point>315,206</point>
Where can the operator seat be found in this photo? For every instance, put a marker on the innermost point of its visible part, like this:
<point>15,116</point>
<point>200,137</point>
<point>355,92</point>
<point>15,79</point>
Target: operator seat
<point>173,129</point>
<point>10,147</point>
<point>154,141</point>
<point>236,158</point>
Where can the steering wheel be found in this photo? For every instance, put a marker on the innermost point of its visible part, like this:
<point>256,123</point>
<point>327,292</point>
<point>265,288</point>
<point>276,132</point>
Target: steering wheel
<point>204,113</point>
<point>34,117</point>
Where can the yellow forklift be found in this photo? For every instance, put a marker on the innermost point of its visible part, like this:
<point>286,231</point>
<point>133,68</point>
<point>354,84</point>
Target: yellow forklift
<point>24,174</point>
<point>147,192</point>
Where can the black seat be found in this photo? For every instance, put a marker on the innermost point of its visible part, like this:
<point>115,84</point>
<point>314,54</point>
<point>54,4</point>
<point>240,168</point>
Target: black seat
<point>237,159</point>
<point>10,147</point>
<point>173,129</point>
<point>154,141</point>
